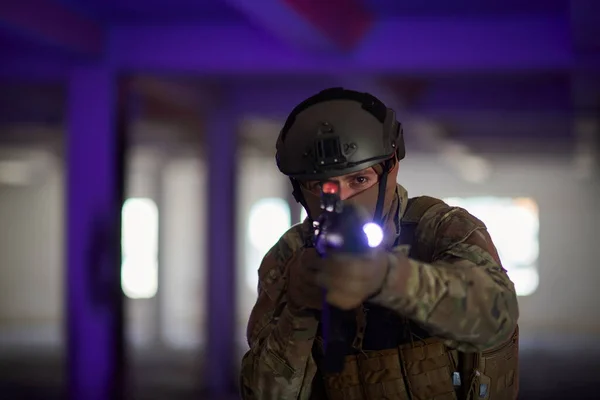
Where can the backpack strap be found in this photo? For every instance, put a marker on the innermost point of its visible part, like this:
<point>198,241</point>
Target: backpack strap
<point>415,209</point>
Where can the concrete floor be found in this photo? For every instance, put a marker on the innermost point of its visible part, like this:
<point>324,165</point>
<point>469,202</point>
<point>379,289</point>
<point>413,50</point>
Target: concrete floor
<point>549,371</point>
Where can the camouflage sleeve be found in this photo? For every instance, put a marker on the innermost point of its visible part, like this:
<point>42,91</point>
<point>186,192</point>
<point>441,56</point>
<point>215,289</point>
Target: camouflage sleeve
<point>279,364</point>
<point>464,295</point>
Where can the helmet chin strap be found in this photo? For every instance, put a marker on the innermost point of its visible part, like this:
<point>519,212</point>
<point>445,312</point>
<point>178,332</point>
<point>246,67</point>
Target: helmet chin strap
<point>299,197</point>
<point>387,166</point>
<point>297,193</point>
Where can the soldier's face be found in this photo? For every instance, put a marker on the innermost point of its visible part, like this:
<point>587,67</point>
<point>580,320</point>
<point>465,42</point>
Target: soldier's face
<point>350,184</point>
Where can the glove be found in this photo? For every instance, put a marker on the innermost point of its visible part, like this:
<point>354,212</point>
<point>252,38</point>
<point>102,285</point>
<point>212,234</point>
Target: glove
<point>303,291</point>
<point>352,279</point>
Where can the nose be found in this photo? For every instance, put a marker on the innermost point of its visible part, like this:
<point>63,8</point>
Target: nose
<point>345,192</point>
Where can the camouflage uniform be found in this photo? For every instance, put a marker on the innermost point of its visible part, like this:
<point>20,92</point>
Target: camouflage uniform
<point>463,296</point>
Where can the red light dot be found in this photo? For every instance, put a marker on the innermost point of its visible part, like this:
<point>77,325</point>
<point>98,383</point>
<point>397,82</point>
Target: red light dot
<point>330,188</point>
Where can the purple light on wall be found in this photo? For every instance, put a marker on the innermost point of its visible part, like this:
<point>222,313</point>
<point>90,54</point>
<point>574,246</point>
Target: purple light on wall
<point>221,145</point>
<point>94,199</point>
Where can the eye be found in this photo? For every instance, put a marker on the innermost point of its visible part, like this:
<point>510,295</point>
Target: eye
<point>361,180</point>
<point>315,185</point>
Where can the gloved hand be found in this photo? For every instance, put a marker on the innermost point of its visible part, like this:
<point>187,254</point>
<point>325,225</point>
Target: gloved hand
<point>303,291</point>
<point>351,279</point>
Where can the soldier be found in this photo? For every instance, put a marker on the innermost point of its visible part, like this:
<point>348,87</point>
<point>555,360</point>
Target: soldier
<point>436,314</point>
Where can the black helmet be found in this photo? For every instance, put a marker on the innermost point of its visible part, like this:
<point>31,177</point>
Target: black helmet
<point>337,132</point>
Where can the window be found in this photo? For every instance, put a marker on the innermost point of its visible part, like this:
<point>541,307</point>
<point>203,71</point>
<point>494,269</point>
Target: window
<point>269,219</point>
<point>513,224</point>
<point>139,243</point>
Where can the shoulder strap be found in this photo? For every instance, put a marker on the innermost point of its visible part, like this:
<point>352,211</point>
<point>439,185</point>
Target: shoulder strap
<point>415,209</point>
<point>468,363</point>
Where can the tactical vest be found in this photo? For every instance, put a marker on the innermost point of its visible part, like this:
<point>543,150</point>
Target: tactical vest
<point>395,359</point>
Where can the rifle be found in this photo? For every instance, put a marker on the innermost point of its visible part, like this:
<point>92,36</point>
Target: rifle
<point>343,228</point>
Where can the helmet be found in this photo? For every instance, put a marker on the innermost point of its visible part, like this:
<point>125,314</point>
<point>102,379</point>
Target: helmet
<point>337,132</point>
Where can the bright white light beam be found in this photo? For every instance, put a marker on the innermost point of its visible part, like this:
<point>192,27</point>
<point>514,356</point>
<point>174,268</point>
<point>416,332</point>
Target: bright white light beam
<point>374,234</point>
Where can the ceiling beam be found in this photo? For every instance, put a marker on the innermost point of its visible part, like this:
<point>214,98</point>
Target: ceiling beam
<point>167,97</point>
<point>275,98</point>
<point>446,44</point>
<point>528,93</point>
<point>331,25</point>
<point>47,22</point>
<point>32,68</point>
<point>395,47</point>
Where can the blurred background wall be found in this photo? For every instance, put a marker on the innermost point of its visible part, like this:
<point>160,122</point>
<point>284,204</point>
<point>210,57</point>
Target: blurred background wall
<point>508,127</point>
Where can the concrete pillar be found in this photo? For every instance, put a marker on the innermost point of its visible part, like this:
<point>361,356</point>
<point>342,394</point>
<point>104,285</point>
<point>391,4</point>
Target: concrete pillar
<point>94,199</point>
<point>221,156</point>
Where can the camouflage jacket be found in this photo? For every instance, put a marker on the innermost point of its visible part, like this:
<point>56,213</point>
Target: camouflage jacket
<point>463,296</point>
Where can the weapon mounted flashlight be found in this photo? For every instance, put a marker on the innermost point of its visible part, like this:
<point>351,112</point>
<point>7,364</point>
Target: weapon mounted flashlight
<point>374,234</point>
<point>347,217</point>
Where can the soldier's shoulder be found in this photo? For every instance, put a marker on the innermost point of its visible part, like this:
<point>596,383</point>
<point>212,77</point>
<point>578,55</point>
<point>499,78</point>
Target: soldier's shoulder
<point>443,219</point>
<point>289,243</point>
<point>278,257</point>
<point>422,206</point>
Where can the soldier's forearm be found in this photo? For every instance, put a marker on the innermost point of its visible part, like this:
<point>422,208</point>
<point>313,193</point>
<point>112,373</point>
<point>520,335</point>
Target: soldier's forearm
<point>275,367</point>
<point>474,305</point>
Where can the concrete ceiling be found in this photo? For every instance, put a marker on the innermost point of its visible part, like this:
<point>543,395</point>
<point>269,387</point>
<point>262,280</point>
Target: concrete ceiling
<point>509,75</point>
<point>467,7</point>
